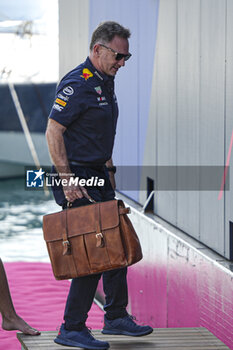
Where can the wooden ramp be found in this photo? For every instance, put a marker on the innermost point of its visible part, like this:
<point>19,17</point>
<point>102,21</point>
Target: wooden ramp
<point>160,339</point>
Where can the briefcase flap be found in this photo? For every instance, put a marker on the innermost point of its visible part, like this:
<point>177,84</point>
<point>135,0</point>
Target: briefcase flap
<point>81,220</point>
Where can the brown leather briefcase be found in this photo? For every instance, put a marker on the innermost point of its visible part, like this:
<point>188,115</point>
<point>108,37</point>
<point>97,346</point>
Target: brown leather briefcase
<point>91,239</point>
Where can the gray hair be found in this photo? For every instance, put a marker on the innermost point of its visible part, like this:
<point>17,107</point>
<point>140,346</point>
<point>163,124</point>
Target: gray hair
<point>106,31</point>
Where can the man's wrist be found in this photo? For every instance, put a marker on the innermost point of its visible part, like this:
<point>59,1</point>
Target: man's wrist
<point>65,174</point>
<point>112,169</point>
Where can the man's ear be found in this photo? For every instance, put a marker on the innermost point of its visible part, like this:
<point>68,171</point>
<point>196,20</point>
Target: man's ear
<point>96,50</point>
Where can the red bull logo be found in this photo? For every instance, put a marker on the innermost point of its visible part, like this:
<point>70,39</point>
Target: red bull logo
<point>86,74</point>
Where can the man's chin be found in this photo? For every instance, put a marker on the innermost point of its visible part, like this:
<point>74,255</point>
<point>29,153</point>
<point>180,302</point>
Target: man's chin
<point>112,74</point>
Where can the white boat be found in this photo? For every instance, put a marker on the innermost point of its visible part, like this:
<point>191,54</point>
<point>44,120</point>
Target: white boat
<point>36,101</point>
<point>27,31</point>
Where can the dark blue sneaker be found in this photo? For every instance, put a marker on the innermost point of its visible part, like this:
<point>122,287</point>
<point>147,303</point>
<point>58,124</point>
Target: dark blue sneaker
<point>125,326</point>
<point>82,339</point>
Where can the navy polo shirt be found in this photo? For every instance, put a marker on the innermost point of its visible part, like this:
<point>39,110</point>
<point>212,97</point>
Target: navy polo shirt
<point>86,105</point>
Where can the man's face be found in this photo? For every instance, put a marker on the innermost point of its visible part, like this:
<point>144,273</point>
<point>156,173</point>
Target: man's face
<point>107,59</point>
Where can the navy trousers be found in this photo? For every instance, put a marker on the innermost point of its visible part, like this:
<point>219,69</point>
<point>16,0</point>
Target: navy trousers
<point>82,289</point>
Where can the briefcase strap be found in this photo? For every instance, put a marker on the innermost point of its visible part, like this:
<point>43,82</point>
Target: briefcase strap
<point>124,211</point>
<point>99,235</point>
<point>66,243</point>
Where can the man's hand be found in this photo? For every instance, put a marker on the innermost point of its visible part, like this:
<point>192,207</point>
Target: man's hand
<point>74,192</point>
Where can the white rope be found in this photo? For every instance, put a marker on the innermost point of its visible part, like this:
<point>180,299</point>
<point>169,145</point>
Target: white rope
<point>147,201</point>
<point>25,127</point>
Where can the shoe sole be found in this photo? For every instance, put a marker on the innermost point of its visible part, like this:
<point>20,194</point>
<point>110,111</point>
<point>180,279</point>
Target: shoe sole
<point>117,332</point>
<point>63,341</point>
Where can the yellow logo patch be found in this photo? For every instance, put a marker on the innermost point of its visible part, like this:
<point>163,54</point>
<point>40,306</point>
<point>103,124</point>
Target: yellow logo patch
<point>86,74</point>
<point>60,102</point>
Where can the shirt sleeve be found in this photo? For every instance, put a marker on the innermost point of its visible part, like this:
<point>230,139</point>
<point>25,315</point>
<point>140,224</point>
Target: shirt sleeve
<point>69,104</point>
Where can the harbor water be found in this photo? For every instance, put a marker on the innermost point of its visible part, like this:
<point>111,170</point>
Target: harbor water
<point>21,215</point>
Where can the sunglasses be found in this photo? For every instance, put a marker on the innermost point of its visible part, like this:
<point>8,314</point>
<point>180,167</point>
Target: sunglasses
<point>118,56</point>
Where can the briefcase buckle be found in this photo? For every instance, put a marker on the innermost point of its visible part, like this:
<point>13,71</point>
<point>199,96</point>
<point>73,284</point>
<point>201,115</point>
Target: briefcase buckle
<point>99,240</point>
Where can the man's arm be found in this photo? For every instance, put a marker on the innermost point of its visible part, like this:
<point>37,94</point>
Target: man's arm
<point>109,164</point>
<point>57,150</point>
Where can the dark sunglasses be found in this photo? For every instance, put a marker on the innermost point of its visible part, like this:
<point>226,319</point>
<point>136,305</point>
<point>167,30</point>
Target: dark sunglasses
<point>118,56</point>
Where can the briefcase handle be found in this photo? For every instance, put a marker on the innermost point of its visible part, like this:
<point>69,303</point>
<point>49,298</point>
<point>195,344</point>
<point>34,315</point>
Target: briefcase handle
<point>69,204</point>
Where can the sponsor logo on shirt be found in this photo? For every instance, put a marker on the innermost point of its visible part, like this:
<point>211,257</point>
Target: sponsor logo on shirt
<point>61,102</point>
<point>86,74</point>
<point>102,98</point>
<point>68,90</point>
<point>98,90</point>
<point>103,103</point>
<point>64,98</point>
<point>58,107</point>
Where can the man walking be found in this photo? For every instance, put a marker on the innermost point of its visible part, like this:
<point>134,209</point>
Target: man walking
<point>80,134</point>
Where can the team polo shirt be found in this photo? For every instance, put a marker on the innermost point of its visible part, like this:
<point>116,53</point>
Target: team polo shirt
<point>86,105</point>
